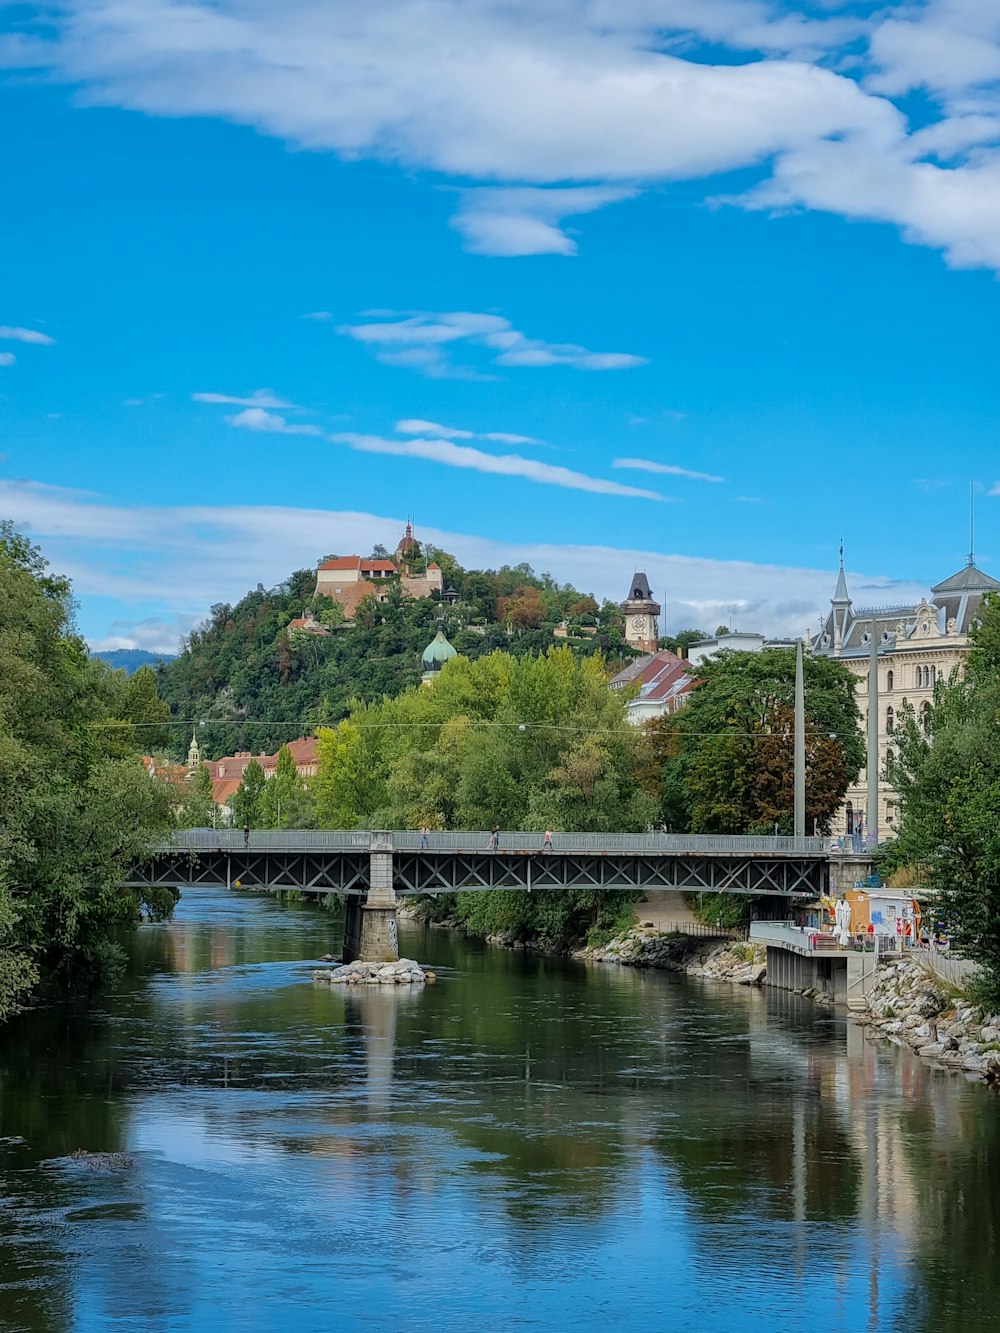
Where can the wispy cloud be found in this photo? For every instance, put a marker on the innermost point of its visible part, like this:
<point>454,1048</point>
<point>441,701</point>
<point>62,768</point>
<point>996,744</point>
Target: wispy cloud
<point>450,454</point>
<point>416,426</point>
<point>7,358</point>
<point>255,418</point>
<point>13,333</point>
<point>527,221</point>
<point>419,341</point>
<point>265,398</point>
<point>666,469</point>
<point>323,316</point>
<point>929,484</point>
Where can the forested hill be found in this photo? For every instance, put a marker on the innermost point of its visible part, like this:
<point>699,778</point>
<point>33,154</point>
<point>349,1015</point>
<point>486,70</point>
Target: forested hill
<point>130,660</point>
<point>270,683</point>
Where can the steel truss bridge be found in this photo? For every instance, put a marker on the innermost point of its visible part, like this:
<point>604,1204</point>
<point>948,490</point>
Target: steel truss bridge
<point>321,862</point>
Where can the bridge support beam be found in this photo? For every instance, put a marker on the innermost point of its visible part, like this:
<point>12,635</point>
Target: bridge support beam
<point>370,927</point>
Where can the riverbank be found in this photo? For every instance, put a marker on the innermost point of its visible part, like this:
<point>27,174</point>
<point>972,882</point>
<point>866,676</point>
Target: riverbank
<point>715,959</point>
<point>911,1006</point>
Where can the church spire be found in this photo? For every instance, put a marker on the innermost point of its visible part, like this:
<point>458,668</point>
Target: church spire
<point>841,597</point>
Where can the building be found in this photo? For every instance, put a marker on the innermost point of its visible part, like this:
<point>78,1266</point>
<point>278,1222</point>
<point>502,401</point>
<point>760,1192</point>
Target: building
<point>736,641</point>
<point>349,579</point>
<point>437,652</point>
<point>664,681</point>
<point>307,624</point>
<point>227,773</point>
<point>642,615</point>
<point>917,645</point>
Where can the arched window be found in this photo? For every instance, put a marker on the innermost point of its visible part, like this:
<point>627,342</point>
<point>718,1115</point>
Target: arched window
<point>890,720</point>
<point>888,681</point>
<point>850,819</point>
<point>933,679</point>
<point>925,718</point>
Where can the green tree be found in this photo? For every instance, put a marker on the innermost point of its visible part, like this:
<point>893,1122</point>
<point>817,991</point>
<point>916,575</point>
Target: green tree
<point>533,742</point>
<point>198,808</point>
<point>947,780</point>
<point>248,799</point>
<point>285,802</point>
<point>724,763</point>
<point>78,805</point>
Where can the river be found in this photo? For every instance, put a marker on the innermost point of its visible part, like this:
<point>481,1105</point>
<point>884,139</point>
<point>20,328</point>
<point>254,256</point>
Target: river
<point>528,1143</point>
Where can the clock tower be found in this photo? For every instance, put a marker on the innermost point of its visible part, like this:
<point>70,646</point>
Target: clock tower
<point>641,615</point>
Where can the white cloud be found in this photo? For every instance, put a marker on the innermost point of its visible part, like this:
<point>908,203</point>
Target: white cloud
<point>13,333</point>
<point>526,221</point>
<point>450,454</point>
<point>7,358</point>
<point>419,340</point>
<point>153,633</point>
<point>668,469</point>
<point>265,398</point>
<point>416,426</point>
<point>185,558</point>
<point>255,418</point>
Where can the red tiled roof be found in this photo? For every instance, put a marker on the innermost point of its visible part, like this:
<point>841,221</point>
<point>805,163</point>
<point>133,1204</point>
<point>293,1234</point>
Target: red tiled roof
<point>344,562</point>
<point>367,565</point>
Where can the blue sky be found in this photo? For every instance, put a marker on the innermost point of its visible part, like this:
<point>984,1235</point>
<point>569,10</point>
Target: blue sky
<point>694,287</point>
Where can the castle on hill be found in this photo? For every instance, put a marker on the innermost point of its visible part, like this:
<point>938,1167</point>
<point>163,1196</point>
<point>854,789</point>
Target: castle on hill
<point>349,579</point>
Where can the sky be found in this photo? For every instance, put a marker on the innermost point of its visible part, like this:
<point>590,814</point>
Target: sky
<point>699,287</point>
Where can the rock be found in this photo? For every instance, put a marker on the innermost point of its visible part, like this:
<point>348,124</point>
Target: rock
<point>934,1049</point>
<point>974,1063</point>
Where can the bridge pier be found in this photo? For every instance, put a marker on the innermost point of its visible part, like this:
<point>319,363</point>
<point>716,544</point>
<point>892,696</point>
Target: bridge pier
<point>370,927</point>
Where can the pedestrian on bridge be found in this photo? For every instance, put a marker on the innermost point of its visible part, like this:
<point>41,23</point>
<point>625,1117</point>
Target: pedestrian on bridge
<point>246,835</point>
<point>495,838</point>
<point>424,838</point>
<point>547,841</point>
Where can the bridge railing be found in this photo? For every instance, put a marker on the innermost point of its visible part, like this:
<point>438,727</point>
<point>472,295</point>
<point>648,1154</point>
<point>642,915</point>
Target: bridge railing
<point>642,844</point>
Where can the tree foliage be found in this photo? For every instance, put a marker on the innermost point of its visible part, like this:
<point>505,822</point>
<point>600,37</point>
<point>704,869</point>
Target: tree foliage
<point>78,805</point>
<point>248,800</point>
<point>947,780</point>
<point>537,742</point>
<point>725,762</point>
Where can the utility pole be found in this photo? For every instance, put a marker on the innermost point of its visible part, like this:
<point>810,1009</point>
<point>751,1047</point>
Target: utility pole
<point>872,760</point>
<point>799,819</point>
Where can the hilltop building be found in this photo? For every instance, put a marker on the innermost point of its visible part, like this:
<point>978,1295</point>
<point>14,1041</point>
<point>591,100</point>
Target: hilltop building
<point>350,579</point>
<point>918,645</point>
<point>642,613</point>
<point>437,652</point>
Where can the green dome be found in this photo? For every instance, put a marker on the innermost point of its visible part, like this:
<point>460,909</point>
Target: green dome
<point>437,652</point>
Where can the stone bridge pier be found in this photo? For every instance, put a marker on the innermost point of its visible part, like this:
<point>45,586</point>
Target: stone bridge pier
<point>370,928</point>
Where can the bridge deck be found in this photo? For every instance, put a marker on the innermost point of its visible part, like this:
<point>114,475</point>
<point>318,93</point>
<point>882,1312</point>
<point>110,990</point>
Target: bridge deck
<point>339,862</point>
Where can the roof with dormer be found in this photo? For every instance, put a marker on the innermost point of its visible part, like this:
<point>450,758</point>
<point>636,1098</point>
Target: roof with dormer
<point>947,614</point>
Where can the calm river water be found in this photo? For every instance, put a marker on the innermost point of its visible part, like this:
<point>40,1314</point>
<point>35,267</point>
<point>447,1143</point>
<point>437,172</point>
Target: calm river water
<point>529,1144</point>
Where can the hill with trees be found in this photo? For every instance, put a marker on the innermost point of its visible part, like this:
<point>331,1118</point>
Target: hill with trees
<point>256,681</point>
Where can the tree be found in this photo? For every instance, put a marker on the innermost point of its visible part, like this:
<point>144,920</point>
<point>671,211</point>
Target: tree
<point>78,805</point>
<point>947,783</point>
<point>248,803</point>
<point>681,642</point>
<point>285,803</point>
<point>198,808</point>
<point>533,742</point>
<point>725,762</point>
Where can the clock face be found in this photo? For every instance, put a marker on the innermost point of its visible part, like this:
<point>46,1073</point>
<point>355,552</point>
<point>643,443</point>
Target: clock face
<point>639,624</point>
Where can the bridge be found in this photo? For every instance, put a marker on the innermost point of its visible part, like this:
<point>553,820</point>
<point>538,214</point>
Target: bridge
<point>379,865</point>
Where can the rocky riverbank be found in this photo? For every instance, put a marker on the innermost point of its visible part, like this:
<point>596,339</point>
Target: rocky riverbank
<point>912,1006</point>
<point>718,960</point>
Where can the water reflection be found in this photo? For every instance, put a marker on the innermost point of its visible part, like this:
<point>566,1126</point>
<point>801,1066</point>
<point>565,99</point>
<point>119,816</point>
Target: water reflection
<point>527,1141</point>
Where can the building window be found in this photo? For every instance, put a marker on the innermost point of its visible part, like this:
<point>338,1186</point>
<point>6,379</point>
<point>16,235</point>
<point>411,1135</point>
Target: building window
<point>933,672</point>
<point>889,681</point>
<point>925,718</point>
<point>890,720</point>
<point>850,819</point>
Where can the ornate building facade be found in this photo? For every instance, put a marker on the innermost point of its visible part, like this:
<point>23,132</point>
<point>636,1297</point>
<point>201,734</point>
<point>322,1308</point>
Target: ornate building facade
<point>918,645</point>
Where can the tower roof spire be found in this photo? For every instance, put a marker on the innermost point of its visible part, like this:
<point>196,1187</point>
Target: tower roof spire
<point>841,597</point>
